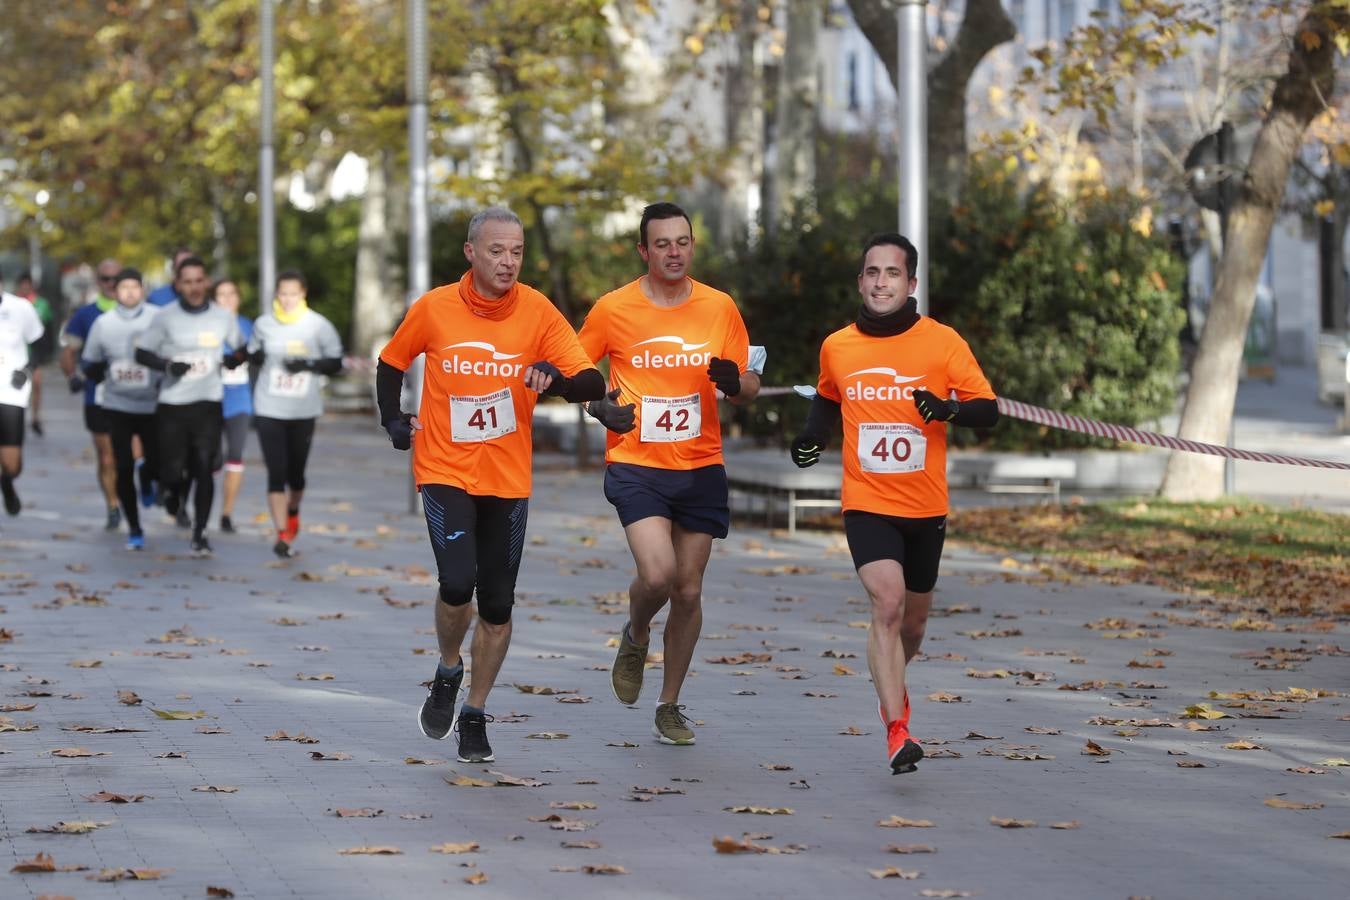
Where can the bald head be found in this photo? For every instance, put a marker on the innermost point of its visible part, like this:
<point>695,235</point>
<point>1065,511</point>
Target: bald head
<point>107,276</point>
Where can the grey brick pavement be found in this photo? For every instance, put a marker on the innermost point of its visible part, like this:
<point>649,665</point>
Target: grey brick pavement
<point>1148,827</point>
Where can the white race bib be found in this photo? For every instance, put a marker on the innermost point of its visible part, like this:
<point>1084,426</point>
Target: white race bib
<point>237,375</point>
<point>669,419</point>
<point>485,418</point>
<point>286,384</point>
<point>890,448</point>
<point>127,374</point>
<point>200,365</point>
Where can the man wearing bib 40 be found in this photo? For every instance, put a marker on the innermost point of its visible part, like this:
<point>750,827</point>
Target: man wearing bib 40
<point>295,346</point>
<point>472,452</point>
<point>675,346</point>
<point>130,390</point>
<point>189,342</point>
<point>19,327</point>
<point>890,374</point>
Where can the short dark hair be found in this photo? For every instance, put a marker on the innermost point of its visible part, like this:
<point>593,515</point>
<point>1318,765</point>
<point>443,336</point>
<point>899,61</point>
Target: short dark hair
<point>292,275</point>
<point>215,286</point>
<point>127,274</point>
<point>660,211</point>
<point>23,276</point>
<point>188,262</point>
<point>893,239</point>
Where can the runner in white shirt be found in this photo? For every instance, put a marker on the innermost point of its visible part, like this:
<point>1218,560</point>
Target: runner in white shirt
<point>19,327</point>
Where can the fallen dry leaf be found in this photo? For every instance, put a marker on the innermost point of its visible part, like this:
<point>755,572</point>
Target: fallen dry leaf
<point>1011,823</point>
<point>67,828</point>
<point>419,761</point>
<point>854,731</point>
<point>371,851</point>
<point>1306,770</point>
<point>1066,826</point>
<point>1092,748</point>
<point>1191,764</point>
<point>945,697</point>
<point>541,689</point>
<point>604,869</point>
<point>216,789</point>
<point>580,845</point>
<point>18,707</point>
<point>1334,761</point>
<point>1243,745</point>
<point>120,874</point>
<point>1037,729</point>
<point>1343,835</point>
<point>364,812</point>
<point>108,797</point>
<point>76,752</point>
<point>841,669</point>
<point>1204,711</point>
<point>219,892</point>
<point>760,810</point>
<point>467,847</point>
<point>1281,803</point>
<point>299,737</point>
<point>476,878</point>
<point>504,780</point>
<point>740,659</point>
<point>563,823</point>
<point>43,862</point>
<point>320,755</point>
<point>910,848</point>
<point>322,676</point>
<point>178,714</point>
<point>944,893</point>
<point>893,872</point>
<point>898,822</point>
<point>85,663</point>
<point>548,736</point>
<point>658,789</point>
<point>458,780</point>
<point>571,804</point>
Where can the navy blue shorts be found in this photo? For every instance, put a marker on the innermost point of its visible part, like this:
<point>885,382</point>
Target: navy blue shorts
<point>694,499</point>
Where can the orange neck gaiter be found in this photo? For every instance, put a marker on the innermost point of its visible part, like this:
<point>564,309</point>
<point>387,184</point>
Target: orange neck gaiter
<point>487,308</point>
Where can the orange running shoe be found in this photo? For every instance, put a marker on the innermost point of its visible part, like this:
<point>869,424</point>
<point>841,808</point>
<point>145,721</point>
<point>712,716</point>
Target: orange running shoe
<point>903,752</point>
<point>293,525</point>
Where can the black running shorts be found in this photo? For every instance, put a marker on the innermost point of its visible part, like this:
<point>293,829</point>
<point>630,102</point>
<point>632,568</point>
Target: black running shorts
<point>694,499</point>
<point>11,425</point>
<point>916,544</point>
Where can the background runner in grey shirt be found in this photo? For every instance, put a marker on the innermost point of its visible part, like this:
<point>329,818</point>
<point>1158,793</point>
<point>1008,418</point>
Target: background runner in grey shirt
<point>296,355</point>
<point>200,339</point>
<point>128,386</point>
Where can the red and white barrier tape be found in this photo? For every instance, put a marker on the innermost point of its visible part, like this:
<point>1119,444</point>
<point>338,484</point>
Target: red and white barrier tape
<point>1065,422</point>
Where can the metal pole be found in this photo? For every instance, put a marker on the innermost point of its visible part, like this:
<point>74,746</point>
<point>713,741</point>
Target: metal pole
<point>267,224</point>
<point>912,98</point>
<point>419,247</point>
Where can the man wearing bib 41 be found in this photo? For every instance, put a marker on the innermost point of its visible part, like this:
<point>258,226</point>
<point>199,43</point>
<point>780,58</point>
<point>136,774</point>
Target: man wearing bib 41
<point>675,347</point>
<point>472,452</point>
<point>890,374</point>
<point>295,347</point>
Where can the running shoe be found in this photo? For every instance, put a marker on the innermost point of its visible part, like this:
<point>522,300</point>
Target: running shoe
<point>114,520</point>
<point>438,710</point>
<point>201,547</point>
<point>181,518</point>
<point>293,524</point>
<point>38,429</point>
<point>170,501</point>
<point>473,742</point>
<point>13,505</point>
<point>283,550</point>
<point>625,677</point>
<point>136,541</point>
<point>902,751</point>
<point>149,489</point>
<point>671,726</point>
<point>226,525</point>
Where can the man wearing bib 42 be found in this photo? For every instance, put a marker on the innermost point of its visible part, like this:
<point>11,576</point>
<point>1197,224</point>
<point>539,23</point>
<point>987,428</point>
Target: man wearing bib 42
<point>890,374</point>
<point>130,390</point>
<point>472,452</point>
<point>675,347</point>
<point>295,346</point>
<point>189,341</point>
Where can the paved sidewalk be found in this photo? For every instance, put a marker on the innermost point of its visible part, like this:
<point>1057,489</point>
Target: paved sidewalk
<point>229,636</point>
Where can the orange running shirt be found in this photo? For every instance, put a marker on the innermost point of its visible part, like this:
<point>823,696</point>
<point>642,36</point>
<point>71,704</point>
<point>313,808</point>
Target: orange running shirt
<point>658,359</point>
<point>894,464</point>
<point>476,412</point>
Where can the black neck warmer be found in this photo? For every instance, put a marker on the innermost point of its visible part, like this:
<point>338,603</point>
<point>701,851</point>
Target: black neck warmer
<point>891,323</point>
<point>195,310</point>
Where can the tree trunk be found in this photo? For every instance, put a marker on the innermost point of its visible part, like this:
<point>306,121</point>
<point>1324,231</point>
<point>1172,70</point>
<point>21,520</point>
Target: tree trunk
<point>377,302</point>
<point>741,127</point>
<point>796,113</point>
<point>984,26</point>
<point>1299,96</point>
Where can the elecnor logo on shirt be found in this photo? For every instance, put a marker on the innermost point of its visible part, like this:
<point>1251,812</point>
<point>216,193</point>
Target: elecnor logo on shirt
<point>900,388</point>
<point>497,365</point>
<point>686,357</point>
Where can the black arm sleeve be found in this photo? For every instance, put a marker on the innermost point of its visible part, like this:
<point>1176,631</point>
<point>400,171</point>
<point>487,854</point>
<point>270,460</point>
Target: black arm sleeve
<point>330,365</point>
<point>822,419</point>
<point>388,388</point>
<point>584,386</point>
<point>151,360</point>
<point>982,413</point>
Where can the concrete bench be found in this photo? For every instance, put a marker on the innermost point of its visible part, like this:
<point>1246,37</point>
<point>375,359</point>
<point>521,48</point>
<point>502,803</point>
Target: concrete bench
<point>1012,474</point>
<point>772,476</point>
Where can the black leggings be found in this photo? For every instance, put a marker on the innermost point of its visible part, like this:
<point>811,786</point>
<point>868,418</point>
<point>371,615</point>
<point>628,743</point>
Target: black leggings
<point>189,444</point>
<point>122,427</point>
<point>477,542</point>
<point>285,449</point>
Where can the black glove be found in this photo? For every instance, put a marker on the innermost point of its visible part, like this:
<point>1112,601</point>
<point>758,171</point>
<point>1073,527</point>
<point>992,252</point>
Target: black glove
<point>931,407</point>
<point>96,371</point>
<point>400,431</point>
<point>257,357</point>
<point>296,364</point>
<point>237,358</point>
<point>177,368</point>
<point>805,450</point>
<point>76,383</point>
<point>726,375</point>
<point>559,382</point>
<point>18,379</point>
<point>618,419</point>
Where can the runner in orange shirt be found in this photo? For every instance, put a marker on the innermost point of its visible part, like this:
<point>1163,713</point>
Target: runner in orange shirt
<point>890,374</point>
<point>674,347</point>
<point>471,449</point>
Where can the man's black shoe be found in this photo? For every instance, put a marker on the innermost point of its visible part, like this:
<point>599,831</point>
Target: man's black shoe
<point>114,520</point>
<point>12,503</point>
<point>182,519</point>
<point>473,742</point>
<point>438,710</point>
<point>226,525</point>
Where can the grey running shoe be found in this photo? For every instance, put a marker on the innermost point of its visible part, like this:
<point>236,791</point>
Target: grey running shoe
<point>473,742</point>
<point>114,520</point>
<point>625,677</point>
<point>671,726</point>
